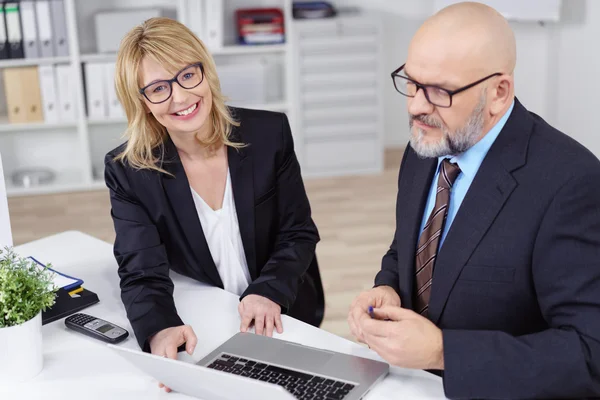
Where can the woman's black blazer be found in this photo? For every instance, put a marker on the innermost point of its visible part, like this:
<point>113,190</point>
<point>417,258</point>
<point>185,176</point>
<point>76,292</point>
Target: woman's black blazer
<point>158,229</point>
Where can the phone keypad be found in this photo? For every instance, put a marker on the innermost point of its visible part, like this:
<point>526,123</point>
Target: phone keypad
<point>81,319</point>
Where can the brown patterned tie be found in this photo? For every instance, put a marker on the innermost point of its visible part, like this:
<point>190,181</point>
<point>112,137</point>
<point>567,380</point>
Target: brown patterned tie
<point>430,238</point>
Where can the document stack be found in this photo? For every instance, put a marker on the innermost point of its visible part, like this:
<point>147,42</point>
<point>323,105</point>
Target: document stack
<point>71,296</point>
<point>260,26</point>
<point>33,29</point>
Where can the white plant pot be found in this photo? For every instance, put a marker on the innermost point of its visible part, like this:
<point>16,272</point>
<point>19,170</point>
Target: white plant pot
<point>21,354</point>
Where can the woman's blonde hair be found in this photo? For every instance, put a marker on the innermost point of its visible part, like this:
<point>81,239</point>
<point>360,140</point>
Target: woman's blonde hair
<point>174,46</point>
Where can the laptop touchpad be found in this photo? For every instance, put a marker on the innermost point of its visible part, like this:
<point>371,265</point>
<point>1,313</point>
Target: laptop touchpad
<point>302,357</point>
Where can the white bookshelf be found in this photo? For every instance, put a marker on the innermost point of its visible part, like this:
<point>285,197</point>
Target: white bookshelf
<point>86,140</point>
<point>338,130</point>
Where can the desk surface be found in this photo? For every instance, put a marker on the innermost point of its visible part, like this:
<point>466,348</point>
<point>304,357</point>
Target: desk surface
<point>75,365</point>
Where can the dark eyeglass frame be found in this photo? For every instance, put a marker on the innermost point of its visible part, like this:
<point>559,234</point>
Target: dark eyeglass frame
<point>170,82</point>
<point>423,87</point>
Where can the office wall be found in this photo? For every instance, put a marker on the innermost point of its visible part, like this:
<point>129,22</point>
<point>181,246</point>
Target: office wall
<point>557,74</point>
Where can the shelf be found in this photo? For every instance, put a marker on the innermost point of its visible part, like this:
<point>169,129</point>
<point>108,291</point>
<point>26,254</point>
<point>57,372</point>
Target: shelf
<point>251,49</point>
<point>99,58</point>
<point>226,50</point>
<point>107,121</point>
<point>5,126</point>
<point>22,62</point>
<point>276,106</point>
<point>65,181</point>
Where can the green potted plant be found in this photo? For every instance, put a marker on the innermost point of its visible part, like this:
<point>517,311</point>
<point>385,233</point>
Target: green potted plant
<point>26,289</point>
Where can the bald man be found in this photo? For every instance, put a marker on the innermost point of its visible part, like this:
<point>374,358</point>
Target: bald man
<point>492,279</point>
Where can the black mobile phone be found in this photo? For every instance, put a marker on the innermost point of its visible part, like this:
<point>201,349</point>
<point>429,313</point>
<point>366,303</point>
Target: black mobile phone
<point>96,328</point>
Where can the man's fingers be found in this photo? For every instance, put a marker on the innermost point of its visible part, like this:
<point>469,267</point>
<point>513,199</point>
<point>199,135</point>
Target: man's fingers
<point>374,327</point>
<point>393,313</point>
<point>377,344</point>
<point>190,340</point>
<point>278,324</point>
<point>356,315</point>
<point>351,324</point>
<point>269,326</point>
<point>259,324</point>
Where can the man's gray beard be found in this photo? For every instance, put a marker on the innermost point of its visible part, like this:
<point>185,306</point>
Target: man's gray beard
<point>462,140</point>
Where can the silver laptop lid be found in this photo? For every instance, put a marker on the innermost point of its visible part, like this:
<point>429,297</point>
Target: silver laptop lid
<point>201,382</point>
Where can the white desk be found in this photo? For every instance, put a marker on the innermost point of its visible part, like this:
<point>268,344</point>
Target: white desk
<point>76,366</point>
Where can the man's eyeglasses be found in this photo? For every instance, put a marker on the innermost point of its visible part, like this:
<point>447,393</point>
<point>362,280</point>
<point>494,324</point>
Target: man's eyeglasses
<point>436,95</point>
<point>188,78</point>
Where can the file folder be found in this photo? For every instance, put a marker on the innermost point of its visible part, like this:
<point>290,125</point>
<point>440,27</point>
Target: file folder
<point>214,24</point>
<point>48,92</point>
<point>13,29</point>
<point>70,297</point>
<point>95,90</point>
<point>30,37</point>
<point>63,281</point>
<point>32,98</point>
<point>3,35</point>
<point>65,304</point>
<point>66,93</point>
<point>44,25</point>
<point>196,18</point>
<point>115,110</point>
<point>15,97</point>
<point>60,39</point>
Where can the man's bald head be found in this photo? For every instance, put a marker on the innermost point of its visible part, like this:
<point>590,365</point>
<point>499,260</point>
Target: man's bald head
<point>467,48</point>
<point>468,35</point>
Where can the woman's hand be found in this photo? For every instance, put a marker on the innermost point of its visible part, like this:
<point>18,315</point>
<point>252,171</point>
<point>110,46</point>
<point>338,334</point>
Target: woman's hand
<point>265,313</point>
<point>166,342</point>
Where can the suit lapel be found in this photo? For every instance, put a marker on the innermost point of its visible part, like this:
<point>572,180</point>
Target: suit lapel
<point>242,183</point>
<point>413,190</point>
<point>180,197</point>
<point>486,196</point>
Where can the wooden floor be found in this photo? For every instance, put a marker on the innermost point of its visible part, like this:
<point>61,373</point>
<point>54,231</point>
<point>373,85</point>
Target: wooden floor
<point>355,217</point>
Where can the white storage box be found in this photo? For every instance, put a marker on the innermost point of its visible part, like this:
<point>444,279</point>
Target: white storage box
<point>252,83</point>
<point>111,26</point>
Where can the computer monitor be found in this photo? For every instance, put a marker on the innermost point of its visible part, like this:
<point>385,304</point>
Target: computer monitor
<point>5,230</point>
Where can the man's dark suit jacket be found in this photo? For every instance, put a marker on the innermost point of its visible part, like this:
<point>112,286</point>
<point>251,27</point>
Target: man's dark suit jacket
<point>516,285</point>
<point>158,229</point>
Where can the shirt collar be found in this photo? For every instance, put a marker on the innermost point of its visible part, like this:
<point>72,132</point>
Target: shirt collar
<point>470,161</point>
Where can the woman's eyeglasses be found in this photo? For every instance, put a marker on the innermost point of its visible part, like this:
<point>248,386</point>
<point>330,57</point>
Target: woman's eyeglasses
<point>188,78</point>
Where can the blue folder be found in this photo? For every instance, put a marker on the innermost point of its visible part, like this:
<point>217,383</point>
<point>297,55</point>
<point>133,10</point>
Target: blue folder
<point>74,285</point>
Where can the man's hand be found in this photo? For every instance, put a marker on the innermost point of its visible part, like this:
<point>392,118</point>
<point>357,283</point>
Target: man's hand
<point>166,342</point>
<point>265,313</point>
<point>406,340</point>
<point>377,297</point>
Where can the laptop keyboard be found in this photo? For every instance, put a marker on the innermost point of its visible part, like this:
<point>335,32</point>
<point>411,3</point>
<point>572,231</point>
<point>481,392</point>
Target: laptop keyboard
<point>303,386</point>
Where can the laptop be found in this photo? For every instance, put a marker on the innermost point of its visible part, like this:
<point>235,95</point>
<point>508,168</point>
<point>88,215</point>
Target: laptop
<point>250,366</point>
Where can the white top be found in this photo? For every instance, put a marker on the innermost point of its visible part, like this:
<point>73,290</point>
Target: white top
<point>222,233</point>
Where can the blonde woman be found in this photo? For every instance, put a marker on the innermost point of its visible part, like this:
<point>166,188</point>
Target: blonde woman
<point>209,191</point>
